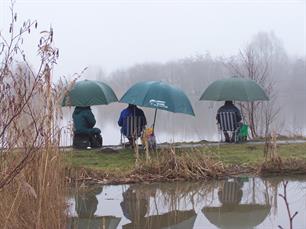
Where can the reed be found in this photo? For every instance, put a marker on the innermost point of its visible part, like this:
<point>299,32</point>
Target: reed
<point>32,188</point>
<point>35,198</point>
<point>186,165</point>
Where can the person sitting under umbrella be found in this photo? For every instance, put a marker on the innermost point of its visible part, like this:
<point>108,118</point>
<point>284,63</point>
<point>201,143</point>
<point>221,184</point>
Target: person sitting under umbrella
<point>84,131</point>
<point>130,127</point>
<point>229,107</point>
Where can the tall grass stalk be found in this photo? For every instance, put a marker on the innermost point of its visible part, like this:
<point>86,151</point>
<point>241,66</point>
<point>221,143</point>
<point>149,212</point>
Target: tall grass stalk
<point>186,165</point>
<point>32,190</point>
<point>36,198</point>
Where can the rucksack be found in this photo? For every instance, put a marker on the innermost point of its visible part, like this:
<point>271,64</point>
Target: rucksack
<point>96,141</point>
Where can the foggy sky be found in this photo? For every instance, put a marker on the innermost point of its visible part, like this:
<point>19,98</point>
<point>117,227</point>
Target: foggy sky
<point>117,34</point>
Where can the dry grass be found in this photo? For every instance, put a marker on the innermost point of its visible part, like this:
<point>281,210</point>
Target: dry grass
<point>184,164</point>
<point>35,198</point>
<point>32,188</point>
<point>275,164</point>
<point>164,165</point>
<point>169,165</point>
<point>281,166</point>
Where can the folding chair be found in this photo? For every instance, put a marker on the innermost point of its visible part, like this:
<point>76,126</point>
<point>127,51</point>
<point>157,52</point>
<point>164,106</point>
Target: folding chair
<point>228,122</point>
<point>231,192</point>
<point>134,126</point>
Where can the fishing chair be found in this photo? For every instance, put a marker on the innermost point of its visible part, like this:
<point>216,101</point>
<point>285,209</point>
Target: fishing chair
<point>228,123</point>
<point>231,192</point>
<point>134,128</point>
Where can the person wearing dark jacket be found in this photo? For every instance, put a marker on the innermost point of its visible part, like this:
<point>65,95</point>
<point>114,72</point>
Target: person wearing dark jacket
<point>131,110</point>
<point>229,107</point>
<point>84,122</point>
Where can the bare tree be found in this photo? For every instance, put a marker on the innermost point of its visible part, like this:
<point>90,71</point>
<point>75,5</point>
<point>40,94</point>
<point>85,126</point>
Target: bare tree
<point>255,62</point>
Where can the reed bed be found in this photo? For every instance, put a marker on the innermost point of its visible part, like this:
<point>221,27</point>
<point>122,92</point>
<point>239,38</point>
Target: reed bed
<point>35,198</point>
<point>274,164</point>
<point>185,165</point>
<point>281,166</point>
<point>32,188</point>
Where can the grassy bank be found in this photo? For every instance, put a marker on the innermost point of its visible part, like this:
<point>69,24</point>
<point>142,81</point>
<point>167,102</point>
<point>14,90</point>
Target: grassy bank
<point>117,166</point>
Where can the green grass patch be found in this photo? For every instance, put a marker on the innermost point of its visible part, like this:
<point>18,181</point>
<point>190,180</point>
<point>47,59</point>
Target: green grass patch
<point>122,161</point>
<point>237,154</point>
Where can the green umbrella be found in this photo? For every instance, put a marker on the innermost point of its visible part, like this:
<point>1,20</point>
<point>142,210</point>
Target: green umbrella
<point>236,216</point>
<point>237,89</point>
<point>174,219</point>
<point>88,93</point>
<point>158,95</point>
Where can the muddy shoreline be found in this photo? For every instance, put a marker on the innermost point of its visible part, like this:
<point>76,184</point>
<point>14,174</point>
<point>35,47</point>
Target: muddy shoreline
<point>269,169</point>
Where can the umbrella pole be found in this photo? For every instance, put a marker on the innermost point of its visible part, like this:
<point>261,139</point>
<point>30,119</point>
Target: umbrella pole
<point>154,120</point>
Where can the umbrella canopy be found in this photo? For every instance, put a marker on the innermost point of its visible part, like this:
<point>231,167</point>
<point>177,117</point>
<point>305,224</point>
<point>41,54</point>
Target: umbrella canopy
<point>175,219</point>
<point>158,95</point>
<point>237,89</point>
<point>88,93</point>
<point>234,216</point>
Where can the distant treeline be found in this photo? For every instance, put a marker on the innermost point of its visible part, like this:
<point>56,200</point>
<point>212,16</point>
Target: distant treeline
<point>193,74</point>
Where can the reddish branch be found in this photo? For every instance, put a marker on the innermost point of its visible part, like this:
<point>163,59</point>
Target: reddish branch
<point>284,197</point>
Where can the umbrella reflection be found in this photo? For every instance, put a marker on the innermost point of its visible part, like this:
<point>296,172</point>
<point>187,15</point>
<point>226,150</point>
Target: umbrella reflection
<point>135,207</point>
<point>235,203</point>
<point>86,205</point>
<point>232,214</point>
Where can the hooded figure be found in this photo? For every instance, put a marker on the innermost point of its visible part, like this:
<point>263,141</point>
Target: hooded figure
<point>84,122</point>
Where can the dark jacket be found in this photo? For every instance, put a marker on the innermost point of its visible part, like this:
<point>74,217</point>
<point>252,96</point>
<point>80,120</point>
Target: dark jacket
<point>84,121</point>
<point>229,107</point>
<point>131,110</point>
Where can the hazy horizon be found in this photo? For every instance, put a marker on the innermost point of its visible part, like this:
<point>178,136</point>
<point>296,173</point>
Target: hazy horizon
<point>114,35</point>
<point>128,41</point>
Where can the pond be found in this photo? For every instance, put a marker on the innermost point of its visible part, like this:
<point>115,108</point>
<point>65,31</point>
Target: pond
<point>235,203</point>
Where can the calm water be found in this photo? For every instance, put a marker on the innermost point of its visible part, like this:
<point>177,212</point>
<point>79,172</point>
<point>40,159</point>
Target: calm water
<point>170,127</point>
<point>235,204</point>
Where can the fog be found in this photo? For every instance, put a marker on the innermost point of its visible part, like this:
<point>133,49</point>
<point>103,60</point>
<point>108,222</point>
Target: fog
<point>113,34</point>
<point>193,75</point>
<point>186,43</point>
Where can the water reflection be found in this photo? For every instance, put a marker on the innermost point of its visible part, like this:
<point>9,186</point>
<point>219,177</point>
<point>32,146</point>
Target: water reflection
<point>135,207</point>
<point>233,214</point>
<point>86,204</point>
<point>233,203</point>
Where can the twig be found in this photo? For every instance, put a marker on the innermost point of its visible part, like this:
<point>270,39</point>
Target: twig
<point>284,197</point>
